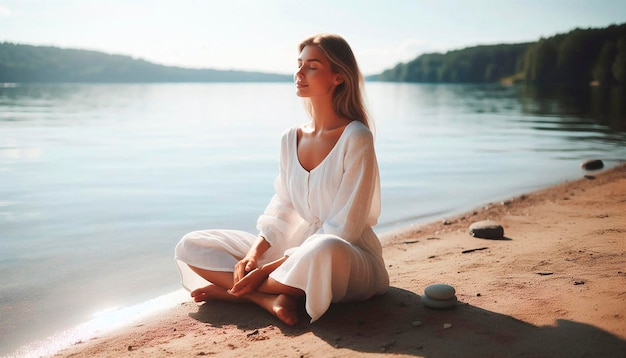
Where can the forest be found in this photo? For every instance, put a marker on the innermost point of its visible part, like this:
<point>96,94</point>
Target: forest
<point>581,56</point>
<point>25,63</point>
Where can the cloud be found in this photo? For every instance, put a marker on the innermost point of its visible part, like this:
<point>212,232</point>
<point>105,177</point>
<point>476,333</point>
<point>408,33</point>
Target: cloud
<point>5,11</point>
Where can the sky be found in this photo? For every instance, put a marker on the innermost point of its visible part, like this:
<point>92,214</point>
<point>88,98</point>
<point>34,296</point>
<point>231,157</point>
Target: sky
<point>263,35</point>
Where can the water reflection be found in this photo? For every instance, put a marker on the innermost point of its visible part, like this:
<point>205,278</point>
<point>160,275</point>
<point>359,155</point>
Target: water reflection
<point>577,106</point>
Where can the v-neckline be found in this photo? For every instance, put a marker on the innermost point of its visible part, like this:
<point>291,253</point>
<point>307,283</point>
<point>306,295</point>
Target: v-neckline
<point>327,155</point>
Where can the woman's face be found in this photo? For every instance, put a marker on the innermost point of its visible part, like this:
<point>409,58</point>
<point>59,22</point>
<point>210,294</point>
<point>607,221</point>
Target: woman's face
<point>314,76</point>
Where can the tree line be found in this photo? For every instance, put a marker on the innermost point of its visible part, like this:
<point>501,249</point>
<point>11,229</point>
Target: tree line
<point>581,56</point>
<point>26,63</point>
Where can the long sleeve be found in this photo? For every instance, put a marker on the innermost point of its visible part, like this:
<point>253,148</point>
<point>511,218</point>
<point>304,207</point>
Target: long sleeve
<point>356,204</point>
<point>280,220</point>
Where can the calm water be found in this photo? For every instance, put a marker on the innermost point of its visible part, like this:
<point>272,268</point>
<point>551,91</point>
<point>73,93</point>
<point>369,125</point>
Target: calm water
<point>99,182</point>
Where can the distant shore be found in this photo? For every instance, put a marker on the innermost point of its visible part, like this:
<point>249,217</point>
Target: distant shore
<point>556,286</point>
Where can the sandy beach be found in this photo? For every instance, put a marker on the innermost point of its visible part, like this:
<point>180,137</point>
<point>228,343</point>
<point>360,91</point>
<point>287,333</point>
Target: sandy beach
<point>555,286</point>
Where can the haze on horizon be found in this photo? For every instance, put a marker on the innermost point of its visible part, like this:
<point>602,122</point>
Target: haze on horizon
<point>263,35</point>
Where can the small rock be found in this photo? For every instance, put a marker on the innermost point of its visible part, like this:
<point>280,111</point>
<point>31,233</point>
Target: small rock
<point>440,291</point>
<point>593,164</point>
<point>434,303</point>
<point>256,331</point>
<point>487,229</point>
<point>416,323</point>
<point>447,325</point>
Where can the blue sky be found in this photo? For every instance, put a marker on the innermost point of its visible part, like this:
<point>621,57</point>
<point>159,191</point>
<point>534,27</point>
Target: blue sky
<point>262,35</point>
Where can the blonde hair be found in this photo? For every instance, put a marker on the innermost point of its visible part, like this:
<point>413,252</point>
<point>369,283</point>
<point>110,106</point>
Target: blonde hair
<point>348,98</point>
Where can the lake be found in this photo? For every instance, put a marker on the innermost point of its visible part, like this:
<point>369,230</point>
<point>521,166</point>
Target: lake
<point>98,182</point>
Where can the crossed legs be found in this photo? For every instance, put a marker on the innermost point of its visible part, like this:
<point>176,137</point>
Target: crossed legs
<point>276,298</point>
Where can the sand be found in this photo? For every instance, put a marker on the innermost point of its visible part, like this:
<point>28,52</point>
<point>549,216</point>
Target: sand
<point>554,287</point>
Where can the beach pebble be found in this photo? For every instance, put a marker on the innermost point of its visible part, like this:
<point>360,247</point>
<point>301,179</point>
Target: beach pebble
<point>487,229</point>
<point>435,303</point>
<point>593,164</point>
<point>440,291</point>
<point>447,325</point>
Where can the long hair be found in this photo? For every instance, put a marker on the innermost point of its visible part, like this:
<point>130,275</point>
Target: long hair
<point>348,98</point>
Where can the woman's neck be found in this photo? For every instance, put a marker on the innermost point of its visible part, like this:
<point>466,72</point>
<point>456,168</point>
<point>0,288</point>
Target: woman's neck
<point>324,117</point>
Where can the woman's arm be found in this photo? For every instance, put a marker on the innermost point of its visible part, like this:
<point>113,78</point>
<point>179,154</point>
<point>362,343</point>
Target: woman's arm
<point>255,278</point>
<point>249,262</point>
<point>280,219</point>
<point>356,204</point>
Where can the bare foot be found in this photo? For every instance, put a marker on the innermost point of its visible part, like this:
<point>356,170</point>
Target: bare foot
<point>213,292</point>
<point>286,309</point>
<point>283,306</point>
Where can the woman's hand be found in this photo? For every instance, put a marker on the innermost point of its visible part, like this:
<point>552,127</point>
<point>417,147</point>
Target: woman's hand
<point>254,278</point>
<point>248,283</point>
<point>243,267</point>
<point>249,262</point>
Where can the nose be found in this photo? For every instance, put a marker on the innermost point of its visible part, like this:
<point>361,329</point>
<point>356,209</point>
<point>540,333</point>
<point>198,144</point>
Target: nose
<point>298,73</point>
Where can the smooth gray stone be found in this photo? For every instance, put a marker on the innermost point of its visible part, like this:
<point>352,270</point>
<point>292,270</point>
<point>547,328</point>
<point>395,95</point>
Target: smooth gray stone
<point>440,291</point>
<point>487,229</point>
<point>433,303</point>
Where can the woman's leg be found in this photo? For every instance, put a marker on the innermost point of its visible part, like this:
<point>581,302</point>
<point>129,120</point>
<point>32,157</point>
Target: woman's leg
<point>283,305</point>
<point>223,279</point>
<point>274,287</point>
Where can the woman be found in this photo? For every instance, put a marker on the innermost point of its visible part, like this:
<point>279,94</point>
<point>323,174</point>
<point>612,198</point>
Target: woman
<point>315,237</point>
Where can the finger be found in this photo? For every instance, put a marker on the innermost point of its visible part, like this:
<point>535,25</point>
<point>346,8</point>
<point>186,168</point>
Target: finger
<point>251,265</point>
<point>239,272</point>
<point>244,286</point>
<point>238,289</point>
<point>241,291</point>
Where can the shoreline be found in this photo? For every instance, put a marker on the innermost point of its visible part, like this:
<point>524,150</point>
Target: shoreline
<point>551,288</point>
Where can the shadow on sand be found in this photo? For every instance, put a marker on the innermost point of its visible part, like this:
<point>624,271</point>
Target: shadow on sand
<point>389,324</point>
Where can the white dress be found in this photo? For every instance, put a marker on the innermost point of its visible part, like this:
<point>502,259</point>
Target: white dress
<point>321,219</point>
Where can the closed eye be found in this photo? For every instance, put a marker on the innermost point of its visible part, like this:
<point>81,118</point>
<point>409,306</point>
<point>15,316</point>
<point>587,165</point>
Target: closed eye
<point>311,63</point>
<point>307,67</point>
